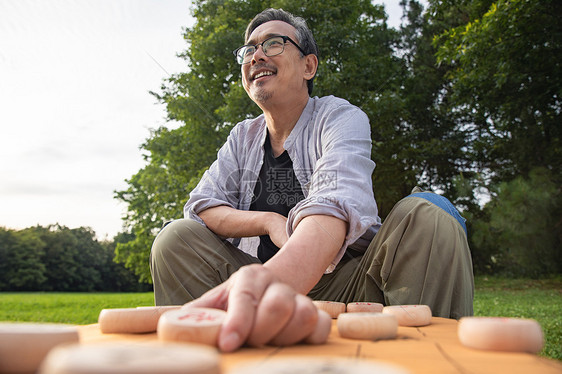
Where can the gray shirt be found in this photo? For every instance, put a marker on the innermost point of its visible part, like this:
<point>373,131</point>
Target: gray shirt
<point>330,147</point>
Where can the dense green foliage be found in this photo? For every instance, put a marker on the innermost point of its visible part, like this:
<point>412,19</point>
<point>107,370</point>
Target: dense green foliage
<point>506,82</point>
<point>464,99</point>
<point>57,258</point>
<point>518,231</point>
<point>507,76</point>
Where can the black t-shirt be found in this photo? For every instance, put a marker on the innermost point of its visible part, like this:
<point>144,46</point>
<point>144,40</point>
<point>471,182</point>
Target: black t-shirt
<point>277,190</point>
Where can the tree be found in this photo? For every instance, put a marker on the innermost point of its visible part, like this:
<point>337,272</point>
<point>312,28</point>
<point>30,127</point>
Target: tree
<point>56,258</point>
<point>21,268</point>
<point>62,259</point>
<point>114,276</point>
<point>507,73</point>
<point>517,236</point>
<point>429,141</point>
<point>506,80</point>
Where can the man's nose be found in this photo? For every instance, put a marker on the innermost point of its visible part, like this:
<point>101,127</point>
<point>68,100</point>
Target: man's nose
<point>259,55</point>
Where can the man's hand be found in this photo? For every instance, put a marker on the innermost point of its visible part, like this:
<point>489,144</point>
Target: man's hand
<point>277,229</point>
<point>261,310</point>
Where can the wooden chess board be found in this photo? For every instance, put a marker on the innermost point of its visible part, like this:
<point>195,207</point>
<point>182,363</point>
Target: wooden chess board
<point>430,349</point>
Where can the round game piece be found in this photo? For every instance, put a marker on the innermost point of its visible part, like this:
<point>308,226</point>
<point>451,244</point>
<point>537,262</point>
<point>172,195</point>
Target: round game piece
<point>410,315</point>
<point>197,325</point>
<point>364,307</point>
<point>501,334</point>
<point>24,345</point>
<point>127,358</point>
<point>333,308</point>
<point>160,309</point>
<point>322,330</point>
<point>367,326</point>
<point>131,320</point>
<point>317,365</point>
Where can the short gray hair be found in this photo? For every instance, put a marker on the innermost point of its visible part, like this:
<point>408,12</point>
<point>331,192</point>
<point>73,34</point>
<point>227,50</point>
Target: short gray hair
<point>304,35</point>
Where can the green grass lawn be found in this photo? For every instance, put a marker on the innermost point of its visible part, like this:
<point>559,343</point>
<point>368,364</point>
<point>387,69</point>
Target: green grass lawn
<point>521,298</point>
<point>71,308</point>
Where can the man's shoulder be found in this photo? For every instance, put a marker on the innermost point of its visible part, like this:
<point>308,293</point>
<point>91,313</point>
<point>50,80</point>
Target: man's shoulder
<point>336,107</point>
<point>330,100</point>
<point>329,103</point>
<point>249,127</point>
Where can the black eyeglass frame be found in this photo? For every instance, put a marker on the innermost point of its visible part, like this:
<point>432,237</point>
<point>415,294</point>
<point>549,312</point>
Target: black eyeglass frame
<point>285,40</point>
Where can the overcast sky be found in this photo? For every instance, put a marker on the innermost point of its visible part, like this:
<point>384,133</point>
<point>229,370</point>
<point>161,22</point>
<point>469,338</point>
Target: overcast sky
<point>75,77</point>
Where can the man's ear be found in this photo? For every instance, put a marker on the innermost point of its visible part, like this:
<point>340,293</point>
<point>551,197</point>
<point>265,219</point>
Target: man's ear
<point>311,65</point>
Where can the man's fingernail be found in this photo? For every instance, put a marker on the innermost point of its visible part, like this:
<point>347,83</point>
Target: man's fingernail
<point>230,342</point>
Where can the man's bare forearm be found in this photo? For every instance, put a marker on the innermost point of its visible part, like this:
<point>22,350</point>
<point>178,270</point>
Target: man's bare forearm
<point>302,259</point>
<point>309,251</point>
<point>233,223</point>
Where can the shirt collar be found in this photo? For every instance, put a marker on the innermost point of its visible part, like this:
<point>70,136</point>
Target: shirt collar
<point>301,124</point>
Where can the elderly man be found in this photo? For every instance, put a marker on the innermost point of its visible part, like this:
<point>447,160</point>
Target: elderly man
<point>287,210</point>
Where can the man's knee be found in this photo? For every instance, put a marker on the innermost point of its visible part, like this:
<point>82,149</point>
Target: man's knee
<point>441,202</point>
<point>173,237</point>
<point>173,262</point>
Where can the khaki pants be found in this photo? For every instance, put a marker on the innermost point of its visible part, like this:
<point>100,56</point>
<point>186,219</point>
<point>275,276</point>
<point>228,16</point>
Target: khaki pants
<point>419,256</point>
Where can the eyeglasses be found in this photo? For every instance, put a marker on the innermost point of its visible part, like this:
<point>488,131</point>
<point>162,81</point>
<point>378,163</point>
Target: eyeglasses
<point>271,47</point>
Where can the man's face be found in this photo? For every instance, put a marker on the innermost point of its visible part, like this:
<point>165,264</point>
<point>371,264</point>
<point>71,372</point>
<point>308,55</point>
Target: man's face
<point>277,77</point>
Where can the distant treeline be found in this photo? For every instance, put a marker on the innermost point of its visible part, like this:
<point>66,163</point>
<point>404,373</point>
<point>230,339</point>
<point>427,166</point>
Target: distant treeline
<point>56,258</point>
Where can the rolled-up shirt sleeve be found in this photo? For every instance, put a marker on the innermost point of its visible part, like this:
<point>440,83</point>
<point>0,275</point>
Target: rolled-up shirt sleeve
<point>213,189</point>
<point>228,181</point>
<point>340,184</point>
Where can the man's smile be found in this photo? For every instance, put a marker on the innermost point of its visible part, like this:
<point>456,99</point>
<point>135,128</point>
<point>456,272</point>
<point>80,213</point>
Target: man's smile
<point>262,72</point>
